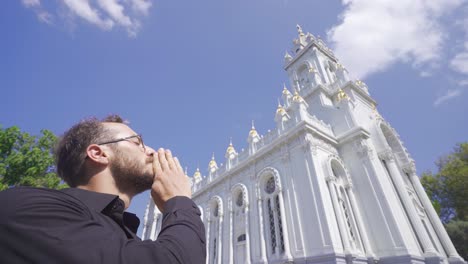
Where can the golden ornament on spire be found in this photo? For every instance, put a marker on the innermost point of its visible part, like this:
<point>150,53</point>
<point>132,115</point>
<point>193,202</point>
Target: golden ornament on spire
<point>230,148</point>
<point>341,95</point>
<point>212,162</point>
<point>285,90</point>
<point>197,175</point>
<point>280,109</point>
<point>253,132</point>
<point>297,97</point>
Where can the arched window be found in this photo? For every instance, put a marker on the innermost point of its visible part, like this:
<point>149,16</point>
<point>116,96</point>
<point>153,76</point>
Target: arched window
<point>273,218</point>
<point>343,208</point>
<point>239,220</point>
<point>215,233</point>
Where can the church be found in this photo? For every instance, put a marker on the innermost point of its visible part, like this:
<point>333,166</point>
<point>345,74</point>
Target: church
<point>331,183</point>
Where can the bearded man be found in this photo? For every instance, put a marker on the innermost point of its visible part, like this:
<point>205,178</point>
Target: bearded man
<point>106,164</point>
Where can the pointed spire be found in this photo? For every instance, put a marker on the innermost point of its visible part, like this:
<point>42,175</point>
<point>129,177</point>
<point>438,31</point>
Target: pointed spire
<point>287,57</point>
<point>297,97</point>
<point>280,109</point>
<point>253,132</point>
<point>212,163</point>
<point>285,90</point>
<point>299,30</point>
<point>230,148</point>
<point>197,176</point>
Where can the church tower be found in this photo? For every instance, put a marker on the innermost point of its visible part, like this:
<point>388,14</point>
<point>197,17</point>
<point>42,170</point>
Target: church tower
<point>332,183</point>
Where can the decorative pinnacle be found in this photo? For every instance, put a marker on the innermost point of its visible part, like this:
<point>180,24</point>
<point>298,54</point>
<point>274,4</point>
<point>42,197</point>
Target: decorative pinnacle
<point>297,97</point>
<point>299,30</point>
<point>285,89</point>
<point>253,132</point>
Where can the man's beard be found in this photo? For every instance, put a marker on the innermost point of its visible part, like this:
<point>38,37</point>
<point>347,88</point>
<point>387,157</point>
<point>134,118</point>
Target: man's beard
<point>129,175</point>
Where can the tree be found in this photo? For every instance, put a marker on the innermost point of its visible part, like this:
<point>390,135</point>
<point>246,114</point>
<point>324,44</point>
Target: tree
<point>27,160</point>
<point>458,232</point>
<point>448,189</point>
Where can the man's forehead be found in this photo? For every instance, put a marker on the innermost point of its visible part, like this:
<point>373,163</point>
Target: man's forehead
<point>119,128</point>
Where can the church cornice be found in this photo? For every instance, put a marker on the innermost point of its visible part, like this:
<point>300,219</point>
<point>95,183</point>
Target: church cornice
<point>353,133</point>
<point>285,138</point>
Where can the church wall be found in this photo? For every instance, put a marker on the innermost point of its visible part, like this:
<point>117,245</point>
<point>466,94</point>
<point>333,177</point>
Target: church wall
<point>384,215</point>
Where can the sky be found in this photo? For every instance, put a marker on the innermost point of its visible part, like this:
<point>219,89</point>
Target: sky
<point>192,75</point>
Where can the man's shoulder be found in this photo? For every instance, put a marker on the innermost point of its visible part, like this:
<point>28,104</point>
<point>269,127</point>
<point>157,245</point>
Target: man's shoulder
<point>30,197</point>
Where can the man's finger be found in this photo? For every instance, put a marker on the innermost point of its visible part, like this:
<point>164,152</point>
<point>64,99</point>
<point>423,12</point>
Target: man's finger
<point>162,159</point>
<point>170,159</point>
<point>156,165</point>
<point>177,163</point>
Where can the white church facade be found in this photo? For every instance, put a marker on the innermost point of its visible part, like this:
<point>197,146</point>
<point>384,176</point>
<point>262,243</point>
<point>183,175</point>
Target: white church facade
<point>331,183</point>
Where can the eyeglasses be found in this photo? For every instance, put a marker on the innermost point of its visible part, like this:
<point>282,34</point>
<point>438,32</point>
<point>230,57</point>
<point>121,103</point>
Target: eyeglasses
<point>139,143</point>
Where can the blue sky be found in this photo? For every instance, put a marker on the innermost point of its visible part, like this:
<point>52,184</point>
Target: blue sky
<point>191,75</point>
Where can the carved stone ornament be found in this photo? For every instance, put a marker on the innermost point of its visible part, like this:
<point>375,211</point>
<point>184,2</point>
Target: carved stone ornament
<point>387,155</point>
<point>314,143</point>
<point>330,178</point>
<point>410,168</point>
<point>361,148</point>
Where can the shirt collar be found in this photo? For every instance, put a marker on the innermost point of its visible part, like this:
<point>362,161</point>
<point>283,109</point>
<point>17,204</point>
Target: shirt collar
<point>94,200</point>
<point>101,201</point>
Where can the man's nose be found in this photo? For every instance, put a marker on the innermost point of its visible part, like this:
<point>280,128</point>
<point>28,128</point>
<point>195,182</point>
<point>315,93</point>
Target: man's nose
<point>149,151</point>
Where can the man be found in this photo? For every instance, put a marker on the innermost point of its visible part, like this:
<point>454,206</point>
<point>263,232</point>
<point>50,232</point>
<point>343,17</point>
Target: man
<point>106,163</point>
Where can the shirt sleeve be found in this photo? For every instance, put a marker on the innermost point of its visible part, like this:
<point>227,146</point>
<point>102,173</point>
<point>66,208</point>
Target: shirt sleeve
<point>182,235</point>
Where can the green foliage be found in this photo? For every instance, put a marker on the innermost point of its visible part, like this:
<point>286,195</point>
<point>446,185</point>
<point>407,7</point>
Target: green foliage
<point>458,232</point>
<point>448,189</point>
<point>27,160</point>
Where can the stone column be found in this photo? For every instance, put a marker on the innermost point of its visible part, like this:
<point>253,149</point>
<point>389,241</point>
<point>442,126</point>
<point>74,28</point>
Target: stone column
<point>287,251</point>
<point>219,248</point>
<point>231,236</point>
<point>261,232</point>
<point>208,220</point>
<point>339,216</point>
<point>359,222</point>
<point>428,248</point>
<point>433,216</point>
<point>247,235</point>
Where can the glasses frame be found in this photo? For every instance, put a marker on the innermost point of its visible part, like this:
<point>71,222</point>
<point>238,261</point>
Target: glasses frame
<point>139,136</point>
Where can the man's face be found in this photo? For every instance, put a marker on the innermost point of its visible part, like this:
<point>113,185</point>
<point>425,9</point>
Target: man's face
<point>130,165</point>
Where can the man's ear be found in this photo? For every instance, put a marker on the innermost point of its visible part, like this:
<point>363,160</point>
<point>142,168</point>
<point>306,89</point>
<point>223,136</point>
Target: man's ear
<point>97,154</point>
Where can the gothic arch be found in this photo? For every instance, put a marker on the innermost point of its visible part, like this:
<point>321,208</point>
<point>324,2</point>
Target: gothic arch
<point>392,140</point>
<point>264,176</point>
<point>240,187</point>
<point>334,162</point>
<point>216,203</point>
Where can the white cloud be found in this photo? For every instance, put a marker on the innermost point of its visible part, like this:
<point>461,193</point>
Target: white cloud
<point>460,62</point>
<point>41,14</point>
<point>449,95</point>
<point>105,14</point>
<point>83,9</point>
<point>31,3</point>
<point>141,6</point>
<point>373,35</point>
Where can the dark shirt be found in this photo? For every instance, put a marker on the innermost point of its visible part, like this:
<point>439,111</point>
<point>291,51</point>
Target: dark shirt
<point>79,226</point>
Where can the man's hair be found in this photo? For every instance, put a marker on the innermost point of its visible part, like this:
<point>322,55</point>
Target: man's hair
<point>70,151</point>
